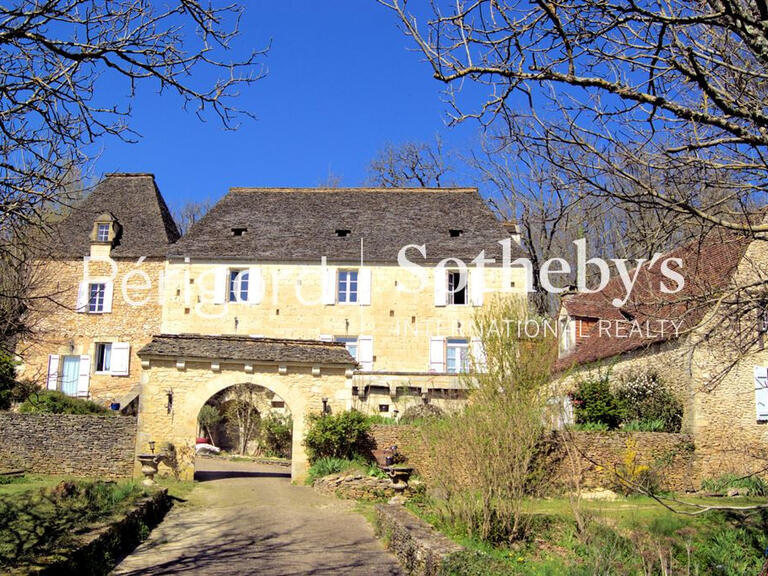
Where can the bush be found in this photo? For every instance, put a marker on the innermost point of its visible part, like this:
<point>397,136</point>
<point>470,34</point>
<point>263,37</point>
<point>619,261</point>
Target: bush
<point>7,380</point>
<point>344,435</point>
<point>54,402</point>
<point>644,426</point>
<point>591,427</point>
<point>327,466</point>
<point>747,485</point>
<point>420,412</point>
<point>594,401</point>
<point>645,398</point>
<point>276,435</point>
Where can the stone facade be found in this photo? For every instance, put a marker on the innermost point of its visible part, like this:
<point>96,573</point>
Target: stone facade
<point>77,445</point>
<point>62,331</point>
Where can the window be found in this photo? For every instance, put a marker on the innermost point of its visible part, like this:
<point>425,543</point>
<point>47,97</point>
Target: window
<point>102,233</point>
<point>96,298</point>
<point>455,233</point>
<point>343,233</point>
<point>278,404</point>
<point>350,342</point>
<point>238,285</point>
<point>103,356</point>
<point>383,407</point>
<point>239,231</point>
<point>70,375</point>
<point>456,355</point>
<point>347,286</point>
<point>457,288</point>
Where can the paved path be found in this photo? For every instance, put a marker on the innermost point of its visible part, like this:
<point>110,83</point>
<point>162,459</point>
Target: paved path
<point>249,519</point>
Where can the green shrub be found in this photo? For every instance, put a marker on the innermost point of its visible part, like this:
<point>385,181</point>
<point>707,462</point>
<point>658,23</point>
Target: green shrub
<point>591,426</point>
<point>473,563</point>
<point>644,397</point>
<point>7,380</point>
<point>595,402</point>
<point>644,426</point>
<point>344,435</point>
<point>328,465</point>
<point>276,435</point>
<point>752,485</point>
<point>54,402</point>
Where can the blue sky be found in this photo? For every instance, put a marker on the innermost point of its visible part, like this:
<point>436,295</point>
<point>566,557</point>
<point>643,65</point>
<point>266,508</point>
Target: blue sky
<point>342,82</point>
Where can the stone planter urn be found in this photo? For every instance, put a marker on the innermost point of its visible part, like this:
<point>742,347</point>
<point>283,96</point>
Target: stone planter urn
<point>400,476</point>
<point>149,464</point>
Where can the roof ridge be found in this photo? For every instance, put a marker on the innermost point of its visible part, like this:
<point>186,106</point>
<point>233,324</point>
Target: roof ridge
<point>383,189</point>
<point>246,338</point>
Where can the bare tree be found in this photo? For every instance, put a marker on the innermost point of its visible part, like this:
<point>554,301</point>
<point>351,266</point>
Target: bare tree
<point>242,414</point>
<point>411,164</point>
<point>61,64</point>
<point>190,213</point>
<point>652,104</point>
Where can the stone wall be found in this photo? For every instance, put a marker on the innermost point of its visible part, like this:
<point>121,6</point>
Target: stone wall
<point>671,456</point>
<point>418,546</point>
<point>77,445</point>
<point>355,486</point>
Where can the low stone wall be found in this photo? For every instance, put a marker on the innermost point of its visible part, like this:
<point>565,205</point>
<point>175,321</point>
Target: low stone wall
<point>355,486</point>
<point>418,546</point>
<point>670,456</point>
<point>72,444</point>
<point>596,457</point>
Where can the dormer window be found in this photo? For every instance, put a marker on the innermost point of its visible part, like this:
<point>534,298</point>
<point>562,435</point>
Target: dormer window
<point>343,233</point>
<point>105,229</point>
<point>455,232</point>
<point>239,231</point>
<point>102,232</point>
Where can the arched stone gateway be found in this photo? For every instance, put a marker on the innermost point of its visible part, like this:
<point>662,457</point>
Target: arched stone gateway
<point>181,372</point>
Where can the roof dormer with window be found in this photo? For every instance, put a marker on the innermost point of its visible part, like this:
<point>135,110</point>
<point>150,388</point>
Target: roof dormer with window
<point>104,233</point>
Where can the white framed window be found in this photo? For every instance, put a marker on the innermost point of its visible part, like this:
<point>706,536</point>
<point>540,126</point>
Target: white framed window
<point>69,374</point>
<point>347,287</point>
<point>102,233</point>
<point>457,359</point>
<point>96,294</point>
<point>103,353</point>
<point>239,281</point>
<point>457,288</point>
<point>350,342</point>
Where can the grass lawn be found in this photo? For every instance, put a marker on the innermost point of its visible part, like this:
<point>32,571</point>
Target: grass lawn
<point>624,537</point>
<point>41,517</point>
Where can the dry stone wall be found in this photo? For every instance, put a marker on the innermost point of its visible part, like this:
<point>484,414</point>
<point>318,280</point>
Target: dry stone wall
<point>77,445</point>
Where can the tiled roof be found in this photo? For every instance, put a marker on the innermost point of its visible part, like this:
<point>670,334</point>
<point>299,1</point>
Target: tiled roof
<point>300,224</point>
<point>147,227</point>
<point>247,348</point>
<point>708,266</point>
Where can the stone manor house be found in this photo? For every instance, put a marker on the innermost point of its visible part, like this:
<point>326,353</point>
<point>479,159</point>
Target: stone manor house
<point>301,291</point>
<point>296,290</point>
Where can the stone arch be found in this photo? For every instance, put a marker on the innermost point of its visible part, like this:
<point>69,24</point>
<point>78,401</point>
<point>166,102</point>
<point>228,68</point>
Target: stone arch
<point>174,386</point>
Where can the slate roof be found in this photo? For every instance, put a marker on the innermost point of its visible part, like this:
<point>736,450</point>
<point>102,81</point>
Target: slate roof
<point>135,201</point>
<point>247,348</point>
<point>300,224</point>
<point>708,266</point>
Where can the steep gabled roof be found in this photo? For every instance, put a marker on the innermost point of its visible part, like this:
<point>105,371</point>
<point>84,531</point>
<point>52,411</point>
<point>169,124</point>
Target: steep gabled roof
<point>247,349</point>
<point>147,227</point>
<point>708,266</point>
<point>300,224</point>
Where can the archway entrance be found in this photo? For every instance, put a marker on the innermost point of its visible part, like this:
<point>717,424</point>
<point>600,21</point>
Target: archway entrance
<point>246,424</point>
<point>181,373</point>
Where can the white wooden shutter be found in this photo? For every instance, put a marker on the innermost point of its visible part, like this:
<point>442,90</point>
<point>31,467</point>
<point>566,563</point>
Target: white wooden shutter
<point>326,338</point>
<point>120,359</point>
<point>364,286</point>
<point>365,352</point>
<point>109,292</point>
<point>329,285</point>
<point>220,285</point>
<point>441,287</point>
<point>53,371</point>
<point>478,355</point>
<point>85,376</point>
<point>437,354</point>
<point>761,392</point>
<point>255,285</point>
<point>82,297</point>
<point>476,285</point>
